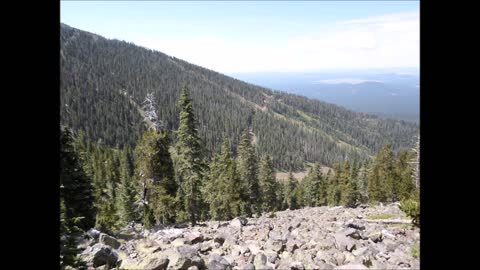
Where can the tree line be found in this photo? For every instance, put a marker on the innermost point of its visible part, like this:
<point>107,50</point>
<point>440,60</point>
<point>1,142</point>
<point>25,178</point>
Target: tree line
<point>162,181</point>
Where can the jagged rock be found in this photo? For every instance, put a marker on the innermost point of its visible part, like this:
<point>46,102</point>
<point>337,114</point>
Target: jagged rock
<point>356,226</point>
<point>351,267</point>
<point>154,262</point>
<point>183,257</point>
<point>260,260</point>
<point>304,236</point>
<point>387,234</point>
<point>296,266</point>
<point>324,266</point>
<point>239,222</point>
<point>376,237</point>
<point>339,258</point>
<point>100,254</point>
<point>219,239</point>
<point>343,242</point>
<point>94,233</point>
<point>108,240</point>
<point>127,236</point>
<point>217,262</point>
<point>360,252</point>
<point>178,242</point>
<point>193,238</point>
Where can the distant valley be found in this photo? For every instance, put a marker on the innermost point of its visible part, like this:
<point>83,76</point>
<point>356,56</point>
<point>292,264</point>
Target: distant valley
<point>385,93</point>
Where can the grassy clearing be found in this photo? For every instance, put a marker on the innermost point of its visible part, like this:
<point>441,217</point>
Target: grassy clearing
<point>380,216</point>
<point>402,226</point>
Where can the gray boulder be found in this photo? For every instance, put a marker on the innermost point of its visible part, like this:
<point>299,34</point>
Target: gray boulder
<point>100,254</point>
<point>183,257</point>
<point>109,240</point>
<point>217,262</point>
<point>94,233</point>
<point>154,262</point>
<point>296,266</point>
<point>351,266</point>
<point>343,242</point>
<point>260,261</point>
<point>239,222</point>
<point>193,238</point>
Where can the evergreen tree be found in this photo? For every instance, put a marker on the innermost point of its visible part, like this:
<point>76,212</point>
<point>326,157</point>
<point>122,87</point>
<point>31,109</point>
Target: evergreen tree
<point>190,163</point>
<point>290,190</point>
<point>268,185</point>
<point>382,184</point>
<point>154,170</point>
<point>248,172</point>
<point>107,216</point>
<point>127,196</point>
<point>315,193</point>
<point>69,231</point>
<point>362,182</point>
<point>349,194</point>
<point>222,191</point>
<point>334,188</point>
<point>404,171</point>
<point>77,190</point>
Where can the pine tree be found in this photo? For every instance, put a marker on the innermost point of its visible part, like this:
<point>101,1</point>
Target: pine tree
<point>222,191</point>
<point>107,215</point>
<point>69,231</point>
<point>248,172</point>
<point>362,182</point>
<point>268,185</point>
<point>190,163</point>
<point>382,180</point>
<point>77,190</point>
<point>334,188</point>
<point>154,171</point>
<point>290,192</point>
<point>315,188</point>
<point>127,196</point>
<point>404,171</point>
<point>349,194</point>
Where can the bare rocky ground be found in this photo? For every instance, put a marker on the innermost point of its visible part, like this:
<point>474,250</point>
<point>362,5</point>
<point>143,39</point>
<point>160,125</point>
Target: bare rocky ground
<point>309,238</point>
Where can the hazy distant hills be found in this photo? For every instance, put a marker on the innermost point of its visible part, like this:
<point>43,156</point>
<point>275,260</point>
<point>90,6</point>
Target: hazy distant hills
<point>383,92</point>
<point>104,82</point>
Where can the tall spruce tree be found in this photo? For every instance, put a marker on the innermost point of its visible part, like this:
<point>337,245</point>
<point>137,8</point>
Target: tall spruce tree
<point>403,172</point>
<point>190,164</point>
<point>290,197</point>
<point>268,185</point>
<point>315,193</point>
<point>248,172</point>
<point>154,170</point>
<point>223,192</point>
<point>334,187</point>
<point>128,194</point>
<point>77,190</point>
<point>382,181</point>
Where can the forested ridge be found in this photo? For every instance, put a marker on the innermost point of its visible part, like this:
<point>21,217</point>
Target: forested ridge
<point>104,82</point>
<point>164,182</point>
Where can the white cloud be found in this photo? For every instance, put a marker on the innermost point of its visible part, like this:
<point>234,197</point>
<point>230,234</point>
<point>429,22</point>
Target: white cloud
<point>378,42</point>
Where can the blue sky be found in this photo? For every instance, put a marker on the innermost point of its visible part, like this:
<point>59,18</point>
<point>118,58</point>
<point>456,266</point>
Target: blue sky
<point>254,36</point>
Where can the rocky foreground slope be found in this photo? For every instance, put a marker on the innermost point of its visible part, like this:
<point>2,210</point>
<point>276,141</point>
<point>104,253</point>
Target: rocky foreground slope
<point>309,238</point>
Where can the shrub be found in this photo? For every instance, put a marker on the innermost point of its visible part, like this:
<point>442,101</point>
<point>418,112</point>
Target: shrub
<point>411,207</point>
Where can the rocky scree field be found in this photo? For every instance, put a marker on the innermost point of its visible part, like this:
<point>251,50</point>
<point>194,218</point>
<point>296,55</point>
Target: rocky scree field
<point>366,237</point>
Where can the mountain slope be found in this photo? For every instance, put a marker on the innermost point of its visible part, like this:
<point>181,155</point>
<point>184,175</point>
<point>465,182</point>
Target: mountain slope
<point>104,81</point>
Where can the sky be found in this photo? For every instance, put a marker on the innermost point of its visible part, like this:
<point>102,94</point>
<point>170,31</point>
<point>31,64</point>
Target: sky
<point>268,36</point>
